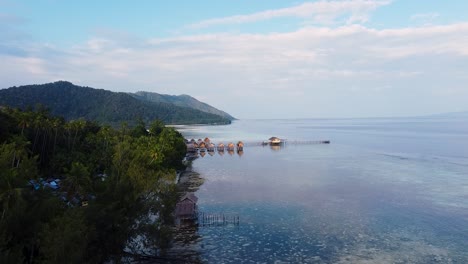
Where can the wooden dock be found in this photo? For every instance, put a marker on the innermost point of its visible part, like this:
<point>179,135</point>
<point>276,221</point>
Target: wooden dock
<point>217,219</point>
<point>292,142</point>
<point>194,149</point>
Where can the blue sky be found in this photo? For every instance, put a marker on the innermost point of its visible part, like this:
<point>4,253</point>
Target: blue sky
<point>254,59</point>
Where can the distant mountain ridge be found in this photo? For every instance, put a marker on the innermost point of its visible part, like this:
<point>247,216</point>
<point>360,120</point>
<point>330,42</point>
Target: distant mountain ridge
<point>73,102</point>
<point>182,101</point>
<point>452,114</point>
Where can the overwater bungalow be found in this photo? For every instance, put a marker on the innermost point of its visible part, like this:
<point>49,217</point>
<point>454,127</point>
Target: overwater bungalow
<point>220,147</point>
<point>210,147</point>
<point>230,146</point>
<point>240,146</point>
<point>202,145</point>
<point>191,147</point>
<point>275,141</point>
<point>206,140</point>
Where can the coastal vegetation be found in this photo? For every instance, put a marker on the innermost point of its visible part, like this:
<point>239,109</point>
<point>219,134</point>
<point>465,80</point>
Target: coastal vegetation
<point>80,192</point>
<point>75,102</point>
<point>182,101</point>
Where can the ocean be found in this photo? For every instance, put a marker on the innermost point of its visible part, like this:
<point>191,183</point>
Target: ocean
<point>386,190</point>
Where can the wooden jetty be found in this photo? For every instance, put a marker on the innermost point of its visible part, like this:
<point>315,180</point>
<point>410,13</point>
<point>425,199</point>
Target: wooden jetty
<point>289,142</point>
<point>202,146</point>
<point>217,219</point>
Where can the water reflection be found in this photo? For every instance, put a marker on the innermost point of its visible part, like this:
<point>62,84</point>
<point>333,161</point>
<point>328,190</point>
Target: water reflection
<point>335,203</point>
<point>275,147</point>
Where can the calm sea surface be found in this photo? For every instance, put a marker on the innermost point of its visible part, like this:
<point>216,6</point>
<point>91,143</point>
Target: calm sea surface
<point>384,191</point>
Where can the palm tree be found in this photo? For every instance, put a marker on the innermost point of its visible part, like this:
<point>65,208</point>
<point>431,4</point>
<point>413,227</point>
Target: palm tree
<point>77,180</point>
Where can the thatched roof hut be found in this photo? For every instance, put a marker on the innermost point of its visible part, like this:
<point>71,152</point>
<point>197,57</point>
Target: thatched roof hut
<point>220,147</point>
<point>206,140</point>
<point>191,147</point>
<point>240,145</point>
<point>275,140</point>
<point>230,146</point>
<point>210,146</point>
<point>186,208</point>
<point>202,145</point>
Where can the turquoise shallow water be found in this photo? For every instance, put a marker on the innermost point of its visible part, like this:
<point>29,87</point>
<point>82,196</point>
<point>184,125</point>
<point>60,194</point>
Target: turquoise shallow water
<point>384,191</point>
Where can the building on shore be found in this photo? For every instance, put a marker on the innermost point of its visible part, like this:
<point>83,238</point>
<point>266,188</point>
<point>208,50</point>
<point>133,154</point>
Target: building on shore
<point>187,207</point>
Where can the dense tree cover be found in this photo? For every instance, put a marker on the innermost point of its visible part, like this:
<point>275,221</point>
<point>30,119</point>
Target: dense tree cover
<point>116,192</point>
<point>74,102</point>
<point>181,100</point>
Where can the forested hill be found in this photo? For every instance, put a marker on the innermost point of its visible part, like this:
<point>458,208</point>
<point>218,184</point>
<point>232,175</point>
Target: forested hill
<point>181,100</point>
<point>74,102</point>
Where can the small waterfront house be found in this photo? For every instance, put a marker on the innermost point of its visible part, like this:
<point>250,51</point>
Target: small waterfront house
<point>202,145</point>
<point>187,208</point>
<point>220,147</point>
<point>230,146</point>
<point>192,147</point>
<point>240,145</point>
<point>275,141</point>
<point>206,140</point>
<point>211,147</point>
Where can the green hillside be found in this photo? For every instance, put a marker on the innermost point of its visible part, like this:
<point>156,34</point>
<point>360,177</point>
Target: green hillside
<point>181,100</point>
<point>74,102</point>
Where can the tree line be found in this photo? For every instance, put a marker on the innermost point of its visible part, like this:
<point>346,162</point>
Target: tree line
<point>72,102</point>
<point>113,190</point>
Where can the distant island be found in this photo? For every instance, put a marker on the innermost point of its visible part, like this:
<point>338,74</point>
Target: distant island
<point>74,102</point>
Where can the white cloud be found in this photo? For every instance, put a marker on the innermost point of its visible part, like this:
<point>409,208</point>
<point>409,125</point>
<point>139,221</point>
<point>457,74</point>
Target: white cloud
<point>314,71</point>
<point>321,12</point>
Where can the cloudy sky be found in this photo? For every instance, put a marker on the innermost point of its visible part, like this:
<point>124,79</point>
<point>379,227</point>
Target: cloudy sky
<point>253,59</point>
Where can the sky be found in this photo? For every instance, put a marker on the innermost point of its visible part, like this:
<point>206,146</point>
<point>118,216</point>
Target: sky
<point>252,59</point>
